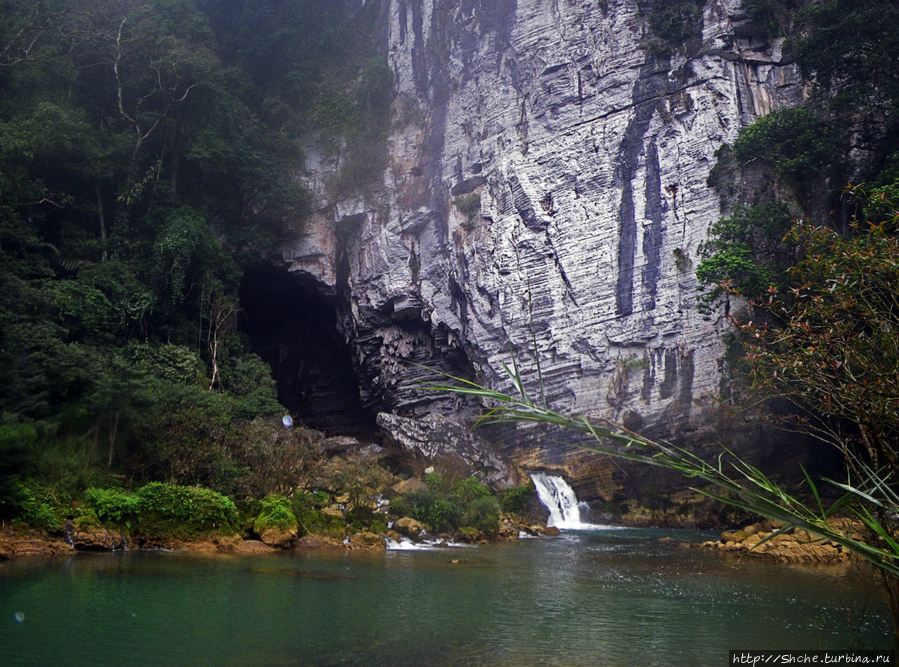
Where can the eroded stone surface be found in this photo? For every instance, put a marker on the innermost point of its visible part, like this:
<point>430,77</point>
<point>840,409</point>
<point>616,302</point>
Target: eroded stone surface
<point>545,197</point>
<point>438,439</point>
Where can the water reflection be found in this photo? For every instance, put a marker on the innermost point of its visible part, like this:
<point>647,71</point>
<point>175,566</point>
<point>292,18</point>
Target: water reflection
<point>616,597</point>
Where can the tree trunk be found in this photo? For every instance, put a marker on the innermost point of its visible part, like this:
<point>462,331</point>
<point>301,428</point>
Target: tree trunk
<point>113,432</point>
<point>102,220</point>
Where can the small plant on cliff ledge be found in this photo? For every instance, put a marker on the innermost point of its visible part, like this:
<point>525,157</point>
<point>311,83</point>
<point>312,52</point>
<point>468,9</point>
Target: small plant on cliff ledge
<point>468,205</point>
<point>673,21</point>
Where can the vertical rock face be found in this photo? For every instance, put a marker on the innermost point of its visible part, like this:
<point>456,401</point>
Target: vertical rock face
<point>546,194</point>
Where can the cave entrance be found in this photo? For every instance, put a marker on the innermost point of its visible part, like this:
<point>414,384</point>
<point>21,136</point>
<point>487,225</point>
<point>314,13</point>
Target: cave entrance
<point>292,324</point>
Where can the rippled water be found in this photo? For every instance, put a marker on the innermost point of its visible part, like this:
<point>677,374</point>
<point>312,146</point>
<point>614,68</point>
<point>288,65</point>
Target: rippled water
<point>605,598</point>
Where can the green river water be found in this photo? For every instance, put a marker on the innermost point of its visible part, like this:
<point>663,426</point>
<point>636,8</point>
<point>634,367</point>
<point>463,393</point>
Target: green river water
<point>613,597</point>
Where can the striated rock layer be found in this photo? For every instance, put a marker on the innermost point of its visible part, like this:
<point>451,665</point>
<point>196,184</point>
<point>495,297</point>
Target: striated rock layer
<point>545,196</point>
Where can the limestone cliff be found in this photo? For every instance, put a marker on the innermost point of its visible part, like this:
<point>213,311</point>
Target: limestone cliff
<point>546,190</point>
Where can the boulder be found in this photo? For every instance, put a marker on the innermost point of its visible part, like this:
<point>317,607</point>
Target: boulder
<point>253,547</point>
<point>7,549</point>
<point>438,441</point>
<point>797,546</point>
<point>317,542</point>
<point>408,486</point>
<point>97,538</point>
<point>280,538</point>
<point>366,540</point>
<point>340,444</point>
<point>408,526</point>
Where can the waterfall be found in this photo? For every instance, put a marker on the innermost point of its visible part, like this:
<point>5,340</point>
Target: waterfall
<point>559,498</point>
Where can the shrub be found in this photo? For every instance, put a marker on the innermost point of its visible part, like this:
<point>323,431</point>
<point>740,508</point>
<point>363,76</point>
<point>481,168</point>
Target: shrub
<point>41,505</point>
<point>483,514</point>
<point>362,517</point>
<point>516,500</point>
<point>468,205</point>
<point>441,512</point>
<point>16,443</point>
<point>193,507</point>
<point>319,523</point>
<point>747,251</point>
<point>276,512</point>
<point>792,141</point>
<point>113,505</point>
<point>469,490</point>
<point>673,21</point>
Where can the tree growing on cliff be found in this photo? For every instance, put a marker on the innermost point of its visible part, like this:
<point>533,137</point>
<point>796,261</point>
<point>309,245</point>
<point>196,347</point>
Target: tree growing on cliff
<point>830,343</point>
<point>746,251</point>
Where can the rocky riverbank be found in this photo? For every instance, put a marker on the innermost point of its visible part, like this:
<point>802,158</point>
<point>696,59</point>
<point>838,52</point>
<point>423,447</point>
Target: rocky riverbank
<point>759,540</point>
<point>21,543</point>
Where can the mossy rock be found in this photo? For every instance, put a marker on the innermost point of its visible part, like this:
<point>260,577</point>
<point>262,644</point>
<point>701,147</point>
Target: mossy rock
<point>736,536</point>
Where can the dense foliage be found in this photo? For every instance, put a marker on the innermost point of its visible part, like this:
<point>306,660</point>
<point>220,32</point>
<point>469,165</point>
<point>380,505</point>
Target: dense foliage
<point>818,327</point>
<point>452,505</point>
<point>746,252</point>
<point>190,509</point>
<point>849,50</point>
<point>793,142</point>
<point>673,21</point>
<point>148,152</point>
<point>829,343</point>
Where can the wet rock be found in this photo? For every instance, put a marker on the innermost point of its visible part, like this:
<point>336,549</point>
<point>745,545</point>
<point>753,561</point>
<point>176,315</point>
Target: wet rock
<point>340,444</point>
<point>408,526</point>
<point>366,540</point>
<point>799,547</point>
<point>7,549</point>
<point>28,545</point>
<point>318,542</point>
<point>97,538</point>
<point>253,547</point>
<point>280,538</point>
<point>508,529</point>
<point>410,485</point>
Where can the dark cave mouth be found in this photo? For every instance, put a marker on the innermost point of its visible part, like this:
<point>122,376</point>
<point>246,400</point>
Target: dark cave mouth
<point>291,322</point>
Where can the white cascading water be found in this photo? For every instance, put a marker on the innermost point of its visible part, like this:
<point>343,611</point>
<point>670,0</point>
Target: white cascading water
<point>559,498</point>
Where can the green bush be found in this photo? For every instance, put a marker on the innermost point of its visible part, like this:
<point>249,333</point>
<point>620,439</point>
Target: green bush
<point>465,490</point>
<point>483,514</point>
<point>794,142</point>
<point>516,499</point>
<point>451,505</point>
<point>276,512</point>
<point>673,21</point>
<point>469,490</point>
<point>747,251</point>
<point>16,443</point>
<point>468,205</point>
<point>192,507</point>
<point>41,505</point>
<point>113,505</point>
<point>442,513</point>
<point>319,523</point>
<point>362,517</point>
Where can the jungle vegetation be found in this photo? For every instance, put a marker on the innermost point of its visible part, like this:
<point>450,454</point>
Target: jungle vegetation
<point>148,155</point>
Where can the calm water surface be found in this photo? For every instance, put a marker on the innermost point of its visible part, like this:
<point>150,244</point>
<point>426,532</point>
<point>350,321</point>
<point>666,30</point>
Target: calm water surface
<point>617,597</point>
